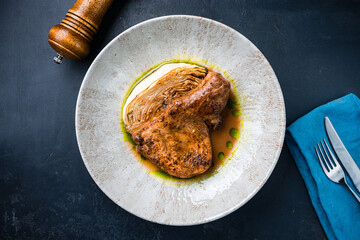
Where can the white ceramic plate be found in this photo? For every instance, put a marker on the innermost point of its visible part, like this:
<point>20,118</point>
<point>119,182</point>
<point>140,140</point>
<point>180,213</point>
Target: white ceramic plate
<point>111,162</point>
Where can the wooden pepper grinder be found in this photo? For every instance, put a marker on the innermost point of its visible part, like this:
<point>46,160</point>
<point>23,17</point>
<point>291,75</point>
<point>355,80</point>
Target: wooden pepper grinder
<point>72,37</point>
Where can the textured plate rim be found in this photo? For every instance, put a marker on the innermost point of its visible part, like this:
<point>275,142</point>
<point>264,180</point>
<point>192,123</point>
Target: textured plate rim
<point>271,168</point>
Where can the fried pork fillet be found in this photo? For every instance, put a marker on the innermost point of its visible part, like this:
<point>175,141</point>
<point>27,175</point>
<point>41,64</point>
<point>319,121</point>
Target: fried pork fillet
<point>178,141</point>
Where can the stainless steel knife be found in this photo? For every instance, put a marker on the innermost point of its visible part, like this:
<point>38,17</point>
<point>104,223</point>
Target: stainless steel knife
<point>344,156</point>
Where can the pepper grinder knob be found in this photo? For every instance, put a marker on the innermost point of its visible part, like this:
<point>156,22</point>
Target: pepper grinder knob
<point>72,37</point>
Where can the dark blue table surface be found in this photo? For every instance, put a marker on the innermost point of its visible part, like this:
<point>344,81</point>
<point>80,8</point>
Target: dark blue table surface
<point>45,189</point>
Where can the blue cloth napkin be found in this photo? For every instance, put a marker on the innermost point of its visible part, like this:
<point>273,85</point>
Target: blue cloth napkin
<point>337,209</point>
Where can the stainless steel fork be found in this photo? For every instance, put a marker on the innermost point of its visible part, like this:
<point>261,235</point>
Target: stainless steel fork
<point>331,166</point>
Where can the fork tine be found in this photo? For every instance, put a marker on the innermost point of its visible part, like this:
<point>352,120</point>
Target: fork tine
<point>327,155</point>
<point>333,158</point>
<point>321,162</point>
<point>323,158</point>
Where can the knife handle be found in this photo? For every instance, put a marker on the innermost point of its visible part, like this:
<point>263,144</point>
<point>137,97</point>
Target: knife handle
<point>72,37</point>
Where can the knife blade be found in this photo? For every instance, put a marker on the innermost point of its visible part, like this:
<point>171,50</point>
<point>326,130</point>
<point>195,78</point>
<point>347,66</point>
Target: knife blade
<point>342,153</point>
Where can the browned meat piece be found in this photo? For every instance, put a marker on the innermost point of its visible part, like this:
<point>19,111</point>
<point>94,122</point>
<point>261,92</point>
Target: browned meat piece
<point>178,144</point>
<point>207,100</point>
<point>178,140</point>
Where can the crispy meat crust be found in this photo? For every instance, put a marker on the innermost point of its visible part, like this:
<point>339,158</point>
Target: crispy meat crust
<point>178,141</point>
